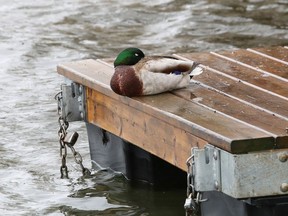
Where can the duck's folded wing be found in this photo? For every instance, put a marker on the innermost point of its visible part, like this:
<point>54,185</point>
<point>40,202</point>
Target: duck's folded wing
<point>169,65</point>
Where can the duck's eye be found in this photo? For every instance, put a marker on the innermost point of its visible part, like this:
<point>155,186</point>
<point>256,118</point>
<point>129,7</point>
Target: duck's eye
<point>136,54</point>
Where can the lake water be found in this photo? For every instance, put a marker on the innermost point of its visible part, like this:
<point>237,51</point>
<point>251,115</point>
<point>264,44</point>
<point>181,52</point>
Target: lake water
<point>37,35</point>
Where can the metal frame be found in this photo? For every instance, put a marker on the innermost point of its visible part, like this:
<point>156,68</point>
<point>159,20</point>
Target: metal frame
<point>256,174</point>
<point>71,102</point>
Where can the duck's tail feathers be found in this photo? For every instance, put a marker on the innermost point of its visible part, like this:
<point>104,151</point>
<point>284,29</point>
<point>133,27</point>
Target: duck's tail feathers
<point>196,70</point>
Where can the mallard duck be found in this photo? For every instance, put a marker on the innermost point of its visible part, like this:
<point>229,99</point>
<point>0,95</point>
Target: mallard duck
<point>136,74</point>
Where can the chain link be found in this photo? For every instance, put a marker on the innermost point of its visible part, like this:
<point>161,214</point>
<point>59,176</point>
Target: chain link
<point>190,176</point>
<point>192,204</point>
<point>63,126</point>
<point>62,133</point>
<point>78,160</point>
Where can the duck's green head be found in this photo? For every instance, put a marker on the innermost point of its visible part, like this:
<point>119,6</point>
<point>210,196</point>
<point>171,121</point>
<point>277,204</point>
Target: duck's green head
<point>129,56</point>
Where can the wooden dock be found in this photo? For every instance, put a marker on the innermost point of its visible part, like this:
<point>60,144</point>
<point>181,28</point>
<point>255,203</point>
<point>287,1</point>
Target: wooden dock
<point>239,104</point>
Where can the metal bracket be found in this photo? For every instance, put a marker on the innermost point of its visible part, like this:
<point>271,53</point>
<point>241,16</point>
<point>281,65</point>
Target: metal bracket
<point>256,174</point>
<point>71,102</point>
<point>207,168</point>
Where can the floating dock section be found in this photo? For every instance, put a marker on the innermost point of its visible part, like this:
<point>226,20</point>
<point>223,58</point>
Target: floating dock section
<point>232,119</point>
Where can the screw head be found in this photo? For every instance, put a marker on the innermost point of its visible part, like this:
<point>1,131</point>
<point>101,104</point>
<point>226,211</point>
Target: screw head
<point>80,89</point>
<point>216,185</point>
<point>284,187</point>
<point>82,115</point>
<point>215,155</point>
<point>283,157</point>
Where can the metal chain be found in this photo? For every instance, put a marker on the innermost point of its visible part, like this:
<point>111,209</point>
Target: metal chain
<point>193,200</point>
<point>58,97</point>
<point>78,160</point>
<point>190,176</point>
<point>62,133</point>
<point>63,126</point>
<point>190,205</point>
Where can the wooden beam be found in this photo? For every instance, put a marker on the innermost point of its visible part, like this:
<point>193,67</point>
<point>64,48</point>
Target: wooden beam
<point>172,144</point>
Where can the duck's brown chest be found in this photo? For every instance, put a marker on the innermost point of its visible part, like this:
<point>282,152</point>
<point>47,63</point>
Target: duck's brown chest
<point>126,82</point>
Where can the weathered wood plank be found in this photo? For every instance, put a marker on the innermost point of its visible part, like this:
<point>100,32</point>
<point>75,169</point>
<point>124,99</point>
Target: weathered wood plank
<point>214,122</point>
<point>91,73</point>
<point>275,52</point>
<point>234,108</point>
<point>240,72</point>
<point>166,141</point>
<point>255,97</point>
<point>258,62</point>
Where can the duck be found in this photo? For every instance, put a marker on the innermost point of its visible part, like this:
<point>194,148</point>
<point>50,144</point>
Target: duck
<point>137,75</point>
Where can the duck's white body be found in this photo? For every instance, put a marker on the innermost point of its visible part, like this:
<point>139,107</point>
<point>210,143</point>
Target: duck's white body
<point>156,80</point>
<point>154,83</point>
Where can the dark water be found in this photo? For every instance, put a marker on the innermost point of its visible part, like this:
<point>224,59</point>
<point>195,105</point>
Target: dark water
<point>37,35</point>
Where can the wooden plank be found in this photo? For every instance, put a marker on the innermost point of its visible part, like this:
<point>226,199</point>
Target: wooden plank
<point>206,122</point>
<point>239,72</point>
<point>234,108</point>
<point>258,62</point>
<point>166,141</point>
<point>181,113</point>
<point>250,77</point>
<point>91,73</point>
<point>247,94</point>
<point>275,52</point>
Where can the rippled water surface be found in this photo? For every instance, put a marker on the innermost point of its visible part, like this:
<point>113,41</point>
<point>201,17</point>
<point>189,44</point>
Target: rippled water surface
<point>37,35</point>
